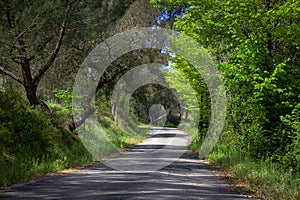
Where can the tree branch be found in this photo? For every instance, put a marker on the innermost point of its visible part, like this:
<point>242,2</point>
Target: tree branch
<point>53,56</point>
<point>46,41</point>
<point>8,19</point>
<point>75,123</point>
<point>11,75</point>
<point>23,32</point>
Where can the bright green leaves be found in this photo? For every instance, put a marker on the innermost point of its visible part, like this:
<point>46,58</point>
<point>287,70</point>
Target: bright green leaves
<point>193,92</point>
<point>257,46</point>
<point>292,122</point>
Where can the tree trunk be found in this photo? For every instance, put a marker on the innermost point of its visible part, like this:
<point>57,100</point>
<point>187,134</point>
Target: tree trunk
<point>31,95</point>
<point>114,110</point>
<point>75,123</point>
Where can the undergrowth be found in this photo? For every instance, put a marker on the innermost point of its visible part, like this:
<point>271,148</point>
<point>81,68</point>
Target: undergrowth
<point>263,178</point>
<point>30,143</point>
<point>260,177</point>
<point>34,143</point>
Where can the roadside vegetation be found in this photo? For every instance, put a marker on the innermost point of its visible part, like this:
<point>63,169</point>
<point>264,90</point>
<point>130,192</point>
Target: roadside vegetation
<point>31,143</point>
<point>255,45</point>
<point>42,47</point>
<point>262,178</point>
<point>34,142</point>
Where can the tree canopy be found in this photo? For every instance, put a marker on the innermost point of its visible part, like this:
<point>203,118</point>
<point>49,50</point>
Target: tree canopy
<point>256,45</point>
<point>35,34</point>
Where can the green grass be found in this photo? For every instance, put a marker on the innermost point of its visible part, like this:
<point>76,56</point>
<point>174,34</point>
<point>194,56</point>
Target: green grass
<point>33,143</point>
<point>23,167</point>
<point>105,141</point>
<point>262,177</point>
<point>69,153</point>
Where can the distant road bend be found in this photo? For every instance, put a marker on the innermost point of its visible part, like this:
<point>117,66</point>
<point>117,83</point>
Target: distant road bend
<point>148,171</point>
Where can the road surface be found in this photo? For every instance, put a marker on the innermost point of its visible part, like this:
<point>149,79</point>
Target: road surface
<point>151,170</point>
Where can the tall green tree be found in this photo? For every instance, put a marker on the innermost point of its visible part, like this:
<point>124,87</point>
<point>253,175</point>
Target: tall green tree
<point>256,44</point>
<point>34,33</point>
<point>196,98</point>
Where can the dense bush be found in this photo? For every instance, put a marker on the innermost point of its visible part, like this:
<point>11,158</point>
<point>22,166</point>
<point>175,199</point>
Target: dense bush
<point>29,142</point>
<point>23,128</point>
<point>256,47</point>
<point>291,157</point>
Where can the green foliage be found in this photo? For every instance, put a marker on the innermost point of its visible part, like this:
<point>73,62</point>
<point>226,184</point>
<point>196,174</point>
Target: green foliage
<point>257,47</point>
<point>43,43</point>
<point>27,128</point>
<point>29,143</point>
<point>148,95</point>
<point>292,158</point>
<point>33,143</point>
<point>185,79</point>
<point>66,97</point>
<point>114,133</point>
<point>263,179</point>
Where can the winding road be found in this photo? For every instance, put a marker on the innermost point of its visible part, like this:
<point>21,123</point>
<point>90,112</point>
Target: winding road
<point>158,168</point>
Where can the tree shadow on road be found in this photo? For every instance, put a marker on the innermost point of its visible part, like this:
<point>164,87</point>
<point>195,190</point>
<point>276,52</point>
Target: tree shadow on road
<point>185,178</point>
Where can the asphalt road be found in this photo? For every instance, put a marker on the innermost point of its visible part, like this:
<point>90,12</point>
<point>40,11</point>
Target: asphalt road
<point>158,168</point>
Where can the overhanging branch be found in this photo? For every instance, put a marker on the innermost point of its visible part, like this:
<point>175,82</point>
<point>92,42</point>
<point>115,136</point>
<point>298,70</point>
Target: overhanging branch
<point>53,56</point>
<point>11,75</point>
